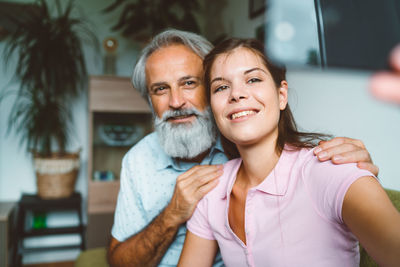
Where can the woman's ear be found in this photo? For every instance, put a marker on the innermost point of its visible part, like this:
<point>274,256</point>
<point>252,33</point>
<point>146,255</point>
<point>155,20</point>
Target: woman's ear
<point>283,95</point>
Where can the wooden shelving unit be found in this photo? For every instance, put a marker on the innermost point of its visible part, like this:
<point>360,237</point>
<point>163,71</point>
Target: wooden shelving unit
<point>112,100</point>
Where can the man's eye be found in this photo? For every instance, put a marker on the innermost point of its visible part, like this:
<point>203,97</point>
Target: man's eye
<point>159,90</point>
<point>190,84</point>
<point>254,80</point>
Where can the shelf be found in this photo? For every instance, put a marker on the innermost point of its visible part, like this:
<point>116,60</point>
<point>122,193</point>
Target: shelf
<point>102,196</point>
<point>115,94</point>
<point>49,248</point>
<point>99,184</point>
<point>53,231</point>
<point>103,145</point>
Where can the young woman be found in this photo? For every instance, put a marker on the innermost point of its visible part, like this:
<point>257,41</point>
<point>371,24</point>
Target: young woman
<point>278,205</point>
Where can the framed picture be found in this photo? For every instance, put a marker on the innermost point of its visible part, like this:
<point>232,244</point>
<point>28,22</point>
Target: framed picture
<point>256,7</point>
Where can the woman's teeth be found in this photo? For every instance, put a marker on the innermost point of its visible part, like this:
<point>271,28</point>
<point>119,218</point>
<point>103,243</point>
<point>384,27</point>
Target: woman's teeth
<point>241,114</point>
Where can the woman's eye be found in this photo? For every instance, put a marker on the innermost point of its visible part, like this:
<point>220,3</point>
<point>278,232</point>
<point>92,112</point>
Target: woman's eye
<point>220,88</point>
<point>253,80</point>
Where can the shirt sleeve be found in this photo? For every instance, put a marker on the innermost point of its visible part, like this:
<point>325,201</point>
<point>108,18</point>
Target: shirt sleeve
<point>199,224</point>
<point>328,183</point>
<point>129,217</point>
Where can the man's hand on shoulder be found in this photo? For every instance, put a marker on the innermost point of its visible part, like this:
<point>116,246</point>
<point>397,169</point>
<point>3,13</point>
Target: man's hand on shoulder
<point>346,150</point>
<point>190,187</point>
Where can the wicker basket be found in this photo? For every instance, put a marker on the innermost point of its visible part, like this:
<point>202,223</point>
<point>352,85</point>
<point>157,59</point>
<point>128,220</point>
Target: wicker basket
<point>56,175</point>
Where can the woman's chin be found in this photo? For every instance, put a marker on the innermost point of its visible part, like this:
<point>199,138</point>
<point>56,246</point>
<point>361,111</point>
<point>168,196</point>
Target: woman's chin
<point>244,141</point>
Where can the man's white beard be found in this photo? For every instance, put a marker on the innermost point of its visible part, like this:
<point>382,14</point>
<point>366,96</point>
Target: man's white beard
<point>186,140</point>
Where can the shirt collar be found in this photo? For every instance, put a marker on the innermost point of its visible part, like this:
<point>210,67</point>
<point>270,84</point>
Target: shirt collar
<point>217,147</point>
<point>166,161</point>
<point>276,183</point>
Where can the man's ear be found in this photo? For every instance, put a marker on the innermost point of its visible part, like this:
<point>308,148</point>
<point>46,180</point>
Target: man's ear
<point>283,95</point>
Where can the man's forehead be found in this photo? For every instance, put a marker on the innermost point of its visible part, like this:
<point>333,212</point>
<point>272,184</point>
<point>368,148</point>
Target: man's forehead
<point>173,53</point>
<point>174,62</point>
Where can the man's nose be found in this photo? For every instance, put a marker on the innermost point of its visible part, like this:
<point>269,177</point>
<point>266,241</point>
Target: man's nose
<point>177,99</point>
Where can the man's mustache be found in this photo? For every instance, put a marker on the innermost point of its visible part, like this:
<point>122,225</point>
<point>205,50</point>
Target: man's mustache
<point>169,114</point>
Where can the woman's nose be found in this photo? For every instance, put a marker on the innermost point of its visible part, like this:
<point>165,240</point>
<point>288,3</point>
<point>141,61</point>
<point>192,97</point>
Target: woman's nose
<point>238,92</point>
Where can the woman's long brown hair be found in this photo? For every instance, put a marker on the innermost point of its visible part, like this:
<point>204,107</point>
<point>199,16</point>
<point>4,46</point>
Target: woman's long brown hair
<point>288,134</point>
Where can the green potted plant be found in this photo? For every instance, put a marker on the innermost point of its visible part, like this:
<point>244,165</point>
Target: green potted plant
<point>142,19</point>
<point>51,72</point>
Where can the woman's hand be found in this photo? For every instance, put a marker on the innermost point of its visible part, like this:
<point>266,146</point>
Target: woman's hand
<point>385,85</point>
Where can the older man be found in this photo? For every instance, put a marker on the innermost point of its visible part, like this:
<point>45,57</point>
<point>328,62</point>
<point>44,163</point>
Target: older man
<point>169,171</point>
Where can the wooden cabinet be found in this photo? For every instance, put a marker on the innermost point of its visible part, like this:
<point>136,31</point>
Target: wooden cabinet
<point>118,118</point>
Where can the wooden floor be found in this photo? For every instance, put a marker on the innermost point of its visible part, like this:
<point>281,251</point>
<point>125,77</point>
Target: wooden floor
<point>54,264</point>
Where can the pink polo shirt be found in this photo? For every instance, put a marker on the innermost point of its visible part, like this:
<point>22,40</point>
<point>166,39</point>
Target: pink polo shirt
<point>293,218</point>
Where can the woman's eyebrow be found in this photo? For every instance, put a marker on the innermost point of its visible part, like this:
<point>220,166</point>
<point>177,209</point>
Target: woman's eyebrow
<point>254,69</point>
<point>217,79</point>
<point>246,72</point>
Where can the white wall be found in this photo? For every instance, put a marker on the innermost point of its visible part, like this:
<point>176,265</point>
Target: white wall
<point>339,103</point>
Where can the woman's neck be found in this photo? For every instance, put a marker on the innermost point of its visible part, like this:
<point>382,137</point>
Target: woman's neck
<point>258,161</point>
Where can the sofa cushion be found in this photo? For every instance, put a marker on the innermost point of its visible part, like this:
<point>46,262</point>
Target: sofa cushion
<point>365,259</point>
<point>96,257</point>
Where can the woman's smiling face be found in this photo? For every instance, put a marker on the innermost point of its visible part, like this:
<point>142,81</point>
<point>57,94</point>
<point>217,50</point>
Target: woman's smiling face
<point>244,98</point>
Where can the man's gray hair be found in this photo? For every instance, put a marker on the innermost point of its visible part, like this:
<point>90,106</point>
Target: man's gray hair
<point>195,42</point>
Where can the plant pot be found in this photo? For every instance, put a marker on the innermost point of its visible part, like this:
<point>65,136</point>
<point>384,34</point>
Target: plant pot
<point>56,175</point>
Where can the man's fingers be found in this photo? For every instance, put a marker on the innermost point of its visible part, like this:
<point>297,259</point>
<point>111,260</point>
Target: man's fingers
<point>190,183</point>
<point>323,145</point>
<point>369,167</point>
<point>346,150</point>
<point>199,170</point>
<point>330,143</point>
<point>343,153</point>
<point>204,189</point>
<point>205,178</point>
<point>351,156</point>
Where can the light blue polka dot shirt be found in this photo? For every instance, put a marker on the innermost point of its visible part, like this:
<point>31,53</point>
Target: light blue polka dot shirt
<point>148,178</point>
